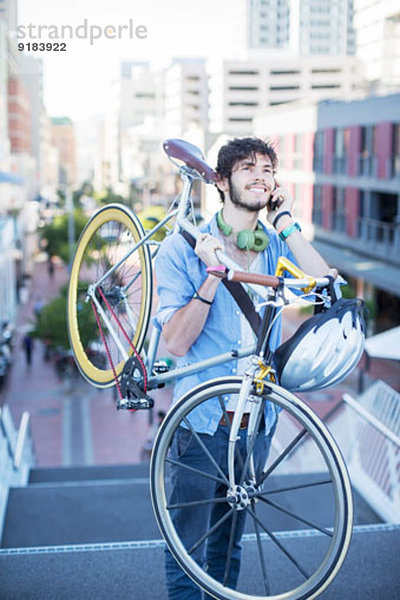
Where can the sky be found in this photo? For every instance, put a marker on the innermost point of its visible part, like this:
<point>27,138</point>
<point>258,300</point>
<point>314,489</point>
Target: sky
<point>77,81</point>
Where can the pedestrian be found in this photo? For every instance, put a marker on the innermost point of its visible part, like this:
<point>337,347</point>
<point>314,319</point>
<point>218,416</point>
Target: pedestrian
<point>50,267</point>
<point>28,347</point>
<point>199,318</point>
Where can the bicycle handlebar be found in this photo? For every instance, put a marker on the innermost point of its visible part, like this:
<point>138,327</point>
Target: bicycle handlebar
<point>264,280</point>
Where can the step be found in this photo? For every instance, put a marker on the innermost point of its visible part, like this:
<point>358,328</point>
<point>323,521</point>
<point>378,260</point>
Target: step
<point>48,474</point>
<point>119,510</point>
<point>135,570</point>
<point>47,514</point>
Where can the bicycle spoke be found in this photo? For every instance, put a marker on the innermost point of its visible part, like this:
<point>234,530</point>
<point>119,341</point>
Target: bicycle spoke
<point>196,503</point>
<point>188,468</point>
<point>280,458</point>
<point>295,516</point>
<point>206,451</point>
<point>230,548</point>
<point>280,545</point>
<point>267,587</point>
<point>300,486</point>
<point>211,530</point>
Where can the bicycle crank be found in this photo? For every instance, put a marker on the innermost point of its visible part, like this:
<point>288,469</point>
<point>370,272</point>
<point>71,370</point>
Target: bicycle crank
<point>131,382</point>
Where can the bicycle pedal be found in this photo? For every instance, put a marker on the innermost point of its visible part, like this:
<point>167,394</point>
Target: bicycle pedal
<point>143,403</point>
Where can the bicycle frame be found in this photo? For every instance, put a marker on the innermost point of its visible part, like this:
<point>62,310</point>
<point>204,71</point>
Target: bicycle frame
<point>259,353</point>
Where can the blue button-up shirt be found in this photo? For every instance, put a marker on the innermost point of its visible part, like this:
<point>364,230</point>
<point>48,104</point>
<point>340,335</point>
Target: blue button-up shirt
<point>179,274</point>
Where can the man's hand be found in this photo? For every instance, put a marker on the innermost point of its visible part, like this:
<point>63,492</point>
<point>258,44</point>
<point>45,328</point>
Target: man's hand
<point>205,248</point>
<point>279,201</point>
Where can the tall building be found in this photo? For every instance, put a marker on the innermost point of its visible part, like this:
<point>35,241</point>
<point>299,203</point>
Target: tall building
<point>186,95</point>
<point>63,138</point>
<point>305,27</point>
<point>244,88</point>
<point>377,27</point>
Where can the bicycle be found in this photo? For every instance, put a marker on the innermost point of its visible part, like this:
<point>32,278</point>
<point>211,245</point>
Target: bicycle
<point>111,282</point>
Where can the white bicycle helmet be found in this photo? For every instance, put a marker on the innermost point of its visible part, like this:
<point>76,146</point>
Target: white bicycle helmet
<point>324,350</point>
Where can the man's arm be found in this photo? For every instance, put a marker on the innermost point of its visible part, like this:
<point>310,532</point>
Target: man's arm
<point>308,259</point>
<point>187,323</point>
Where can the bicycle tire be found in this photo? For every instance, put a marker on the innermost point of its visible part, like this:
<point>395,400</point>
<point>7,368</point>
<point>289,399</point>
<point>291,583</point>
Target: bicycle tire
<point>333,542</point>
<point>108,235</point>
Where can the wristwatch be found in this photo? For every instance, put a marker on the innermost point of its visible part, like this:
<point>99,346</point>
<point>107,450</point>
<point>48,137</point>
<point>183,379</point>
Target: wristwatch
<point>289,230</point>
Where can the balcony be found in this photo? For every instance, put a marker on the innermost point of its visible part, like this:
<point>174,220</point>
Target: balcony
<point>375,239</point>
<point>383,238</point>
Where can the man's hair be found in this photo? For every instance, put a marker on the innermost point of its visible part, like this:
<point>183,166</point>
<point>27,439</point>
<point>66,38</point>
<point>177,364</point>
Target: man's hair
<point>239,149</point>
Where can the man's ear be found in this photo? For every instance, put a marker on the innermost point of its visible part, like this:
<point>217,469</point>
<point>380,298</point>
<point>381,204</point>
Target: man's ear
<point>222,184</point>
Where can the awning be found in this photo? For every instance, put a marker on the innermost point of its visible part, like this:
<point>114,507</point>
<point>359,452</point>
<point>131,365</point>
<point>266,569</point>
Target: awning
<point>11,178</point>
<point>384,345</point>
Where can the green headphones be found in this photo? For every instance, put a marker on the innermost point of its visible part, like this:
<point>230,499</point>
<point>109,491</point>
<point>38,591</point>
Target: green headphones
<point>246,239</point>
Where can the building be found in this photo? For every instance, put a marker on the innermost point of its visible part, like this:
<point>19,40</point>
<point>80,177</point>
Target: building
<point>342,162</point>
<point>303,27</point>
<point>377,27</point>
<point>244,88</point>
<point>186,96</point>
<point>63,138</point>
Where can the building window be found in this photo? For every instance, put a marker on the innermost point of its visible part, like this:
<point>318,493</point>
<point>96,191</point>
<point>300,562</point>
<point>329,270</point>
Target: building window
<point>341,144</point>
<point>338,211</point>
<point>317,214</point>
<point>240,88</point>
<point>396,150</point>
<point>279,88</point>
<point>366,151</point>
<point>243,73</point>
<point>242,103</point>
<point>319,152</point>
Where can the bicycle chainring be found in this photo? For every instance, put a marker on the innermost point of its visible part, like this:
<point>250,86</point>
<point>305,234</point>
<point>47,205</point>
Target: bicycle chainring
<point>131,385</point>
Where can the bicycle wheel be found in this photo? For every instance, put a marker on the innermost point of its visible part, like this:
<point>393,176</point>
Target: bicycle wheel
<point>296,517</point>
<point>126,293</point>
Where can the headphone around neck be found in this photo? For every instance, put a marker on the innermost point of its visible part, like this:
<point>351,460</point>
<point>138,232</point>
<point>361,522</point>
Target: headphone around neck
<point>246,239</point>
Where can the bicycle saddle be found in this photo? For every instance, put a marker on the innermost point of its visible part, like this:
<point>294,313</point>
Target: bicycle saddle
<point>192,156</point>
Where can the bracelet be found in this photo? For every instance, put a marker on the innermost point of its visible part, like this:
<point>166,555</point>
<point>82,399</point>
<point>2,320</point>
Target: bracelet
<point>196,296</point>
<point>289,230</point>
<point>279,215</point>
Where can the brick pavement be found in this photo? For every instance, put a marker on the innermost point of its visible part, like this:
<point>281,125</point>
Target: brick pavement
<point>74,423</point>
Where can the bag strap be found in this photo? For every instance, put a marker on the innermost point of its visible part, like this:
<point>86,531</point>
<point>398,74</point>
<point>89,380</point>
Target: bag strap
<point>238,292</point>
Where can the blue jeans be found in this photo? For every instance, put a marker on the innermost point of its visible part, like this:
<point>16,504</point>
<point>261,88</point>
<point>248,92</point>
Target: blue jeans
<point>192,522</point>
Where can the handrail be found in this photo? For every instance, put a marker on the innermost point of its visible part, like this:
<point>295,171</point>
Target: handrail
<point>23,432</point>
<point>363,412</point>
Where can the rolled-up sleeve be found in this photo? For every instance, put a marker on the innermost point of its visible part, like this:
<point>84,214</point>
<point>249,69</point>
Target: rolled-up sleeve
<point>174,287</point>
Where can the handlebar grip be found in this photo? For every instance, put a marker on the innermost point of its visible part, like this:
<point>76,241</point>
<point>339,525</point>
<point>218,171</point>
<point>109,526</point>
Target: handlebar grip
<point>256,278</point>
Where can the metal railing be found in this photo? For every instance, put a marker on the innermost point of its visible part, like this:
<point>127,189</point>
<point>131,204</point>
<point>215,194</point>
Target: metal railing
<point>16,455</point>
<point>367,430</point>
<point>384,238</point>
<point>374,462</point>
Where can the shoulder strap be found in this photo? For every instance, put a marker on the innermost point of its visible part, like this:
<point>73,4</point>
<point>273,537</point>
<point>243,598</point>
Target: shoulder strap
<point>238,292</point>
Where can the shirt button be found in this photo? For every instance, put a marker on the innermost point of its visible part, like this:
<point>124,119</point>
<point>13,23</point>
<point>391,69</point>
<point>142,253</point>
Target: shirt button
<point>238,312</point>
<point>233,370</point>
<point>239,341</point>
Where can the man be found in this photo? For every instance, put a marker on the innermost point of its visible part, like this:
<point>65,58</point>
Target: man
<point>199,318</point>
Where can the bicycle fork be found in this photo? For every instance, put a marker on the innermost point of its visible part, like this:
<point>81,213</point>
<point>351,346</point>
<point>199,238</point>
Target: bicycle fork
<point>238,493</point>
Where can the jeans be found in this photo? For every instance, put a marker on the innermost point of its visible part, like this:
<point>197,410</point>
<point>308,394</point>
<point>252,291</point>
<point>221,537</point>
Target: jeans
<point>192,522</point>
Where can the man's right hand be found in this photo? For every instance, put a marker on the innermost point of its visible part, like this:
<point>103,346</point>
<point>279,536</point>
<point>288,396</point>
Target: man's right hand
<point>205,248</point>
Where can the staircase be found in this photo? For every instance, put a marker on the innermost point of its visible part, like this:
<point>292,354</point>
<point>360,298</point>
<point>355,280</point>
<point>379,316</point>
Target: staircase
<point>89,532</point>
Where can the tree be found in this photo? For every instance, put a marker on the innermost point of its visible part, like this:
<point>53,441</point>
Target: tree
<point>54,236</point>
<point>51,323</point>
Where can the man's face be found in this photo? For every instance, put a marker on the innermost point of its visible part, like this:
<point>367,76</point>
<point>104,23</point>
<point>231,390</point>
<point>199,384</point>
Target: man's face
<point>251,183</point>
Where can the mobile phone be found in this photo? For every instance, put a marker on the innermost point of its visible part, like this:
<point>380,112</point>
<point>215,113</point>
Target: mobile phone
<point>274,204</point>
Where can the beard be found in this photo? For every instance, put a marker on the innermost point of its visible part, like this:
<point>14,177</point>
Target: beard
<point>237,199</point>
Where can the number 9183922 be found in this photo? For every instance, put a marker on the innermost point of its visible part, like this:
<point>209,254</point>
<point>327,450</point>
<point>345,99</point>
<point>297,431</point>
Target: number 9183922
<point>42,46</point>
